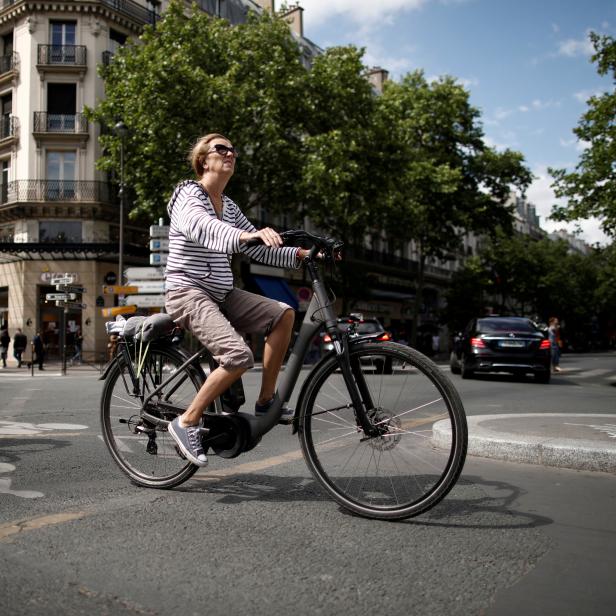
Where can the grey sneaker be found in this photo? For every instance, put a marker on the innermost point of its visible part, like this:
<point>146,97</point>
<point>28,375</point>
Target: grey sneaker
<point>287,413</point>
<point>189,442</point>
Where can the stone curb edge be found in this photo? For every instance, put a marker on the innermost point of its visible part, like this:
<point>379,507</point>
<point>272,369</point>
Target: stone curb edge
<point>546,451</point>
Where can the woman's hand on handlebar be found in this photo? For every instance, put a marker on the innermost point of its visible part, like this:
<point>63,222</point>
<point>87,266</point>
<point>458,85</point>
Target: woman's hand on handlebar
<point>267,236</point>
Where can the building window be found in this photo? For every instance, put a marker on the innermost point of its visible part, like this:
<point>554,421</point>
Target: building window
<point>60,182</point>
<point>60,231</point>
<point>5,167</point>
<point>7,233</point>
<point>61,106</point>
<point>116,40</point>
<point>62,37</point>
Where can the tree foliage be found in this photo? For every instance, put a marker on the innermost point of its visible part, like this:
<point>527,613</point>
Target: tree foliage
<point>195,75</point>
<point>590,190</point>
<point>443,179</point>
<point>539,278</point>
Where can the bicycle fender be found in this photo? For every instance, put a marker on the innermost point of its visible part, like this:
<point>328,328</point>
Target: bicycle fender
<point>179,350</point>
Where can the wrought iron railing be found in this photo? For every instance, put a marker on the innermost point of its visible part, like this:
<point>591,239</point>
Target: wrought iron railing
<point>66,123</point>
<point>8,62</point>
<point>60,190</point>
<point>8,126</point>
<point>107,57</point>
<point>65,55</point>
<point>133,10</point>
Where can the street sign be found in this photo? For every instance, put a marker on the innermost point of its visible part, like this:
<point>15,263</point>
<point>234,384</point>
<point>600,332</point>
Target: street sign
<point>159,231</point>
<point>144,273</point>
<point>118,290</point>
<point>72,305</point>
<point>67,288</point>
<point>147,286</point>
<point>116,310</point>
<point>60,297</point>
<point>68,279</point>
<point>146,301</point>
<point>158,258</point>
<point>159,245</point>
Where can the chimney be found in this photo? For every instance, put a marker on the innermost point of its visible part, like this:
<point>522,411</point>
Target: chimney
<point>268,5</point>
<point>377,76</point>
<point>295,18</point>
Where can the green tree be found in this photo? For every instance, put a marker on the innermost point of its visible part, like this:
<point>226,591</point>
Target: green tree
<point>590,190</point>
<point>191,76</point>
<point>443,180</point>
<point>342,175</point>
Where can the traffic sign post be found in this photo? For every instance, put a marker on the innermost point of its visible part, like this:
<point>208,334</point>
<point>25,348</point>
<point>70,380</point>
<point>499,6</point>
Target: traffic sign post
<point>66,298</point>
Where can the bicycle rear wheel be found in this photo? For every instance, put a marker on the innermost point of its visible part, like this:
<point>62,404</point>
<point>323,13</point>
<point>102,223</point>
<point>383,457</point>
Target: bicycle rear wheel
<point>403,470</point>
<point>146,452</point>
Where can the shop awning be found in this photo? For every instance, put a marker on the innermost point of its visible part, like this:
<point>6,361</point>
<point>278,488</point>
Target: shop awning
<point>276,288</point>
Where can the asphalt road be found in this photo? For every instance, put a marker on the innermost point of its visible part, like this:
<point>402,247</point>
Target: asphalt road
<point>258,536</point>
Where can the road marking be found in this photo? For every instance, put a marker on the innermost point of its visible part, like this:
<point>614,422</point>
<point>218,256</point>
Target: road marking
<point>18,428</point>
<point>14,528</point>
<point>250,467</point>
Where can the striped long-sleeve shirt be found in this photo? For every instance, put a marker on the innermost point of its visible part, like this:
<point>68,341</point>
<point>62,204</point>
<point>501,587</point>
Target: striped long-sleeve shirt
<point>201,244</point>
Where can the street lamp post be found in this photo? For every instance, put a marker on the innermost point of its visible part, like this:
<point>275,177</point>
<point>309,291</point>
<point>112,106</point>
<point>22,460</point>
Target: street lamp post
<point>121,130</point>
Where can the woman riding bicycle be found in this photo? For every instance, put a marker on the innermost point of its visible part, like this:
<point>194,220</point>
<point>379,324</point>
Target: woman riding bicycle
<point>206,228</point>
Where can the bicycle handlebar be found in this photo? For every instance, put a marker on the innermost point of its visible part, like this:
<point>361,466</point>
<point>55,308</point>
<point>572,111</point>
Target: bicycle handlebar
<point>297,237</point>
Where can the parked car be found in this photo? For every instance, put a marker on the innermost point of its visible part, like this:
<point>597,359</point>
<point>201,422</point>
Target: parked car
<point>369,328</point>
<point>502,344</point>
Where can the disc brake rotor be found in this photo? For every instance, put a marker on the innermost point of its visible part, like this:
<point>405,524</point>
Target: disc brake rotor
<point>389,427</point>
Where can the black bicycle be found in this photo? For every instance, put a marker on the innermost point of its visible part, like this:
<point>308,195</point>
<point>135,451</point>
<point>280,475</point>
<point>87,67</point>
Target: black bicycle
<point>381,427</point>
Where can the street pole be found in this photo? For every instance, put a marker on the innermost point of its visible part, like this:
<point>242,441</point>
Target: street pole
<point>121,130</point>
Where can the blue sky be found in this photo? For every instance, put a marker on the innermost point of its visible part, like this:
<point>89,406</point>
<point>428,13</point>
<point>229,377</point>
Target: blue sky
<point>525,63</point>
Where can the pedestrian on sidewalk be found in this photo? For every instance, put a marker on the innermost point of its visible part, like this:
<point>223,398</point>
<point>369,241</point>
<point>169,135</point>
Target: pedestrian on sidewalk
<point>38,348</point>
<point>554,337</point>
<point>5,340</point>
<point>20,342</point>
<point>77,345</point>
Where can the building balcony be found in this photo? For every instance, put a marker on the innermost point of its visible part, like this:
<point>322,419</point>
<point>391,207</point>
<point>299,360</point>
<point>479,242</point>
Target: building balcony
<point>68,127</point>
<point>9,68</point>
<point>9,131</point>
<point>59,190</point>
<point>62,59</point>
<point>135,11</point>
<point>107,58</point>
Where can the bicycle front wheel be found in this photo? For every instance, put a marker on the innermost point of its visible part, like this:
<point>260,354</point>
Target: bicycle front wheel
<point>146,452</point>
<point>418,450</point>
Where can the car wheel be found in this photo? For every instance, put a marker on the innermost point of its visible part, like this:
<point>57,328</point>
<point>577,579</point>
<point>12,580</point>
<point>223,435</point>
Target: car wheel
<point>467,373</point>
<point>542,377</point>
<point>453,363</point>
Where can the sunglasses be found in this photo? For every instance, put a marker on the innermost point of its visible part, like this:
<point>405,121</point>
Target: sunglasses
<point>224,150</point>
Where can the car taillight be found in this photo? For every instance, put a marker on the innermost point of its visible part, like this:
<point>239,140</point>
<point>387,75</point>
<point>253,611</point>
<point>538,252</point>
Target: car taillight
<point>478,343</point>
<point>545,344</point>
<point>327,338</point>
<point>384,337</point>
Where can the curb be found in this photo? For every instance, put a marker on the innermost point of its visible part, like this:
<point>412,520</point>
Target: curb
<point>546,449</point>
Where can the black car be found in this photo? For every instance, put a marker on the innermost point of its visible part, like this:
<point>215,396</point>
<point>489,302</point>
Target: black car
<point>368,327</point>
<point>502,344</point>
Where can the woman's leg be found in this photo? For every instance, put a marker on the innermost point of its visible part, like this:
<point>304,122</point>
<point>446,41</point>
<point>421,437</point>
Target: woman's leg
<point>216,383</point>
<point>276,345</point>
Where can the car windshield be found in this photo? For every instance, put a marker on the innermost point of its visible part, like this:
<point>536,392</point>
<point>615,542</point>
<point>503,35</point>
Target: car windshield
<point>494,326</point>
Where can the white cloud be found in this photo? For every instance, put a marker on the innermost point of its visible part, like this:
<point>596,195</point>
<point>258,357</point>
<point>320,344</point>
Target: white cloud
<point>583,95</point>
<point>541,195</point>
<point>360,11</point>
<point>576,47</point>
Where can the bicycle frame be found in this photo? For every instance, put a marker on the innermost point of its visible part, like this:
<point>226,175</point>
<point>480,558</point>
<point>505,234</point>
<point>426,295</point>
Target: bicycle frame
<point>258,426</point>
